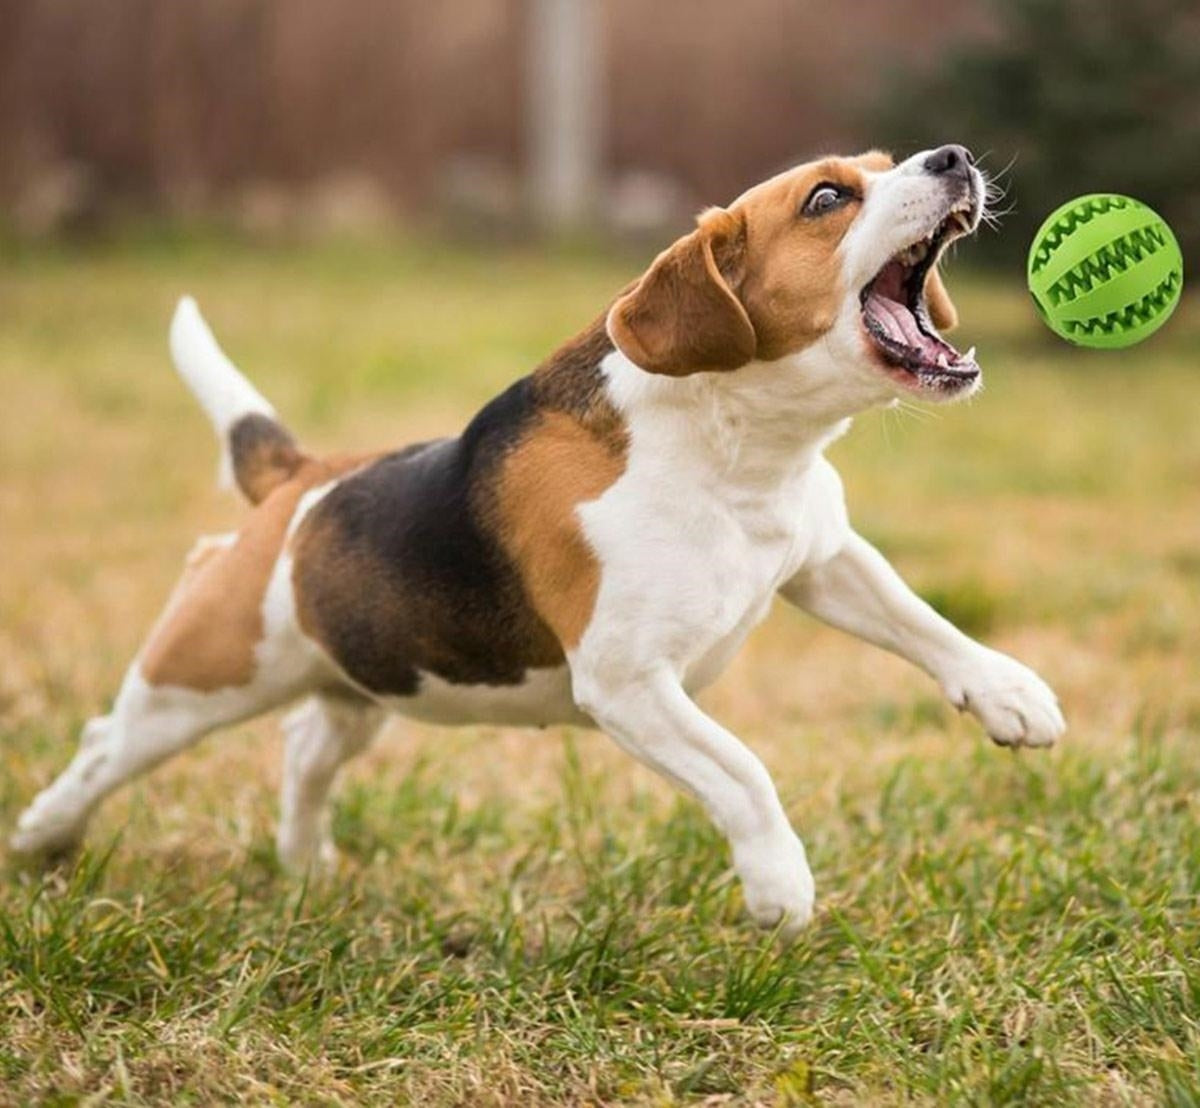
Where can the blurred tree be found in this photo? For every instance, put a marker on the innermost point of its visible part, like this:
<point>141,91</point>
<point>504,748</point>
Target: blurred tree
<point>1080,96</point>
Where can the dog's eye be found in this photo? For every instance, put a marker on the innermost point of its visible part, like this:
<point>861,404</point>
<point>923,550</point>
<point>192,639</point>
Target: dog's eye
<point>824,198</point>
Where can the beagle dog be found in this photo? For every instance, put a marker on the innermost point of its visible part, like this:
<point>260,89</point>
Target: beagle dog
<point>601,538</point>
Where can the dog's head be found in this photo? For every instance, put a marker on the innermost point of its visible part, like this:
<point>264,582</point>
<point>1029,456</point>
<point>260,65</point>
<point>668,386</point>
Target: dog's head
<point>827,272</point>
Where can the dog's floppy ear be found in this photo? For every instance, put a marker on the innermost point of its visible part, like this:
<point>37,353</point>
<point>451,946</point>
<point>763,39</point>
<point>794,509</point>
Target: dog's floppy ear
<point>683,317</point>
<point>941,308</point>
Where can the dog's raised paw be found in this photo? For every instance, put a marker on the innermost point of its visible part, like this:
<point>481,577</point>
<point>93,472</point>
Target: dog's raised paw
<point>1015,706</point>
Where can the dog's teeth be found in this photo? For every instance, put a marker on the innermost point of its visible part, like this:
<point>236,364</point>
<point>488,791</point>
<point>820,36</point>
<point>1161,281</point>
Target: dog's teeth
<point>916,253</point>
<point>941,360</point>
<point>969,356</point>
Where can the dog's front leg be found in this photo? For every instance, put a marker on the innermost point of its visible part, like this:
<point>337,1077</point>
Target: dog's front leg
<point>858,591</point>
<point>653,718</point>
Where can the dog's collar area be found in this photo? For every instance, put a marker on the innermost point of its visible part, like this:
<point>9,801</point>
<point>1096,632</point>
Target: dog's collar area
<point>896,316</point>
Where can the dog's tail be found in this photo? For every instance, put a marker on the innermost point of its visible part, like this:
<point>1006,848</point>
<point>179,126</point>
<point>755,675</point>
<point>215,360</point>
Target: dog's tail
<point>256,449</point>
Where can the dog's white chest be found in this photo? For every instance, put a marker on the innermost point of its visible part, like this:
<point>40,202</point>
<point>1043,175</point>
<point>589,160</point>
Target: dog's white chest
<point>747,559</point>
<point>691,557</point>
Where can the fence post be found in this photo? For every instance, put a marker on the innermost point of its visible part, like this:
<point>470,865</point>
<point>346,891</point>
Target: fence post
<point>563,111</point>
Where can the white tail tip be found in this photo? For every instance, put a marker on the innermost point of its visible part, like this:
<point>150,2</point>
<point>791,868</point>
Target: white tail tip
<point>223,393</point>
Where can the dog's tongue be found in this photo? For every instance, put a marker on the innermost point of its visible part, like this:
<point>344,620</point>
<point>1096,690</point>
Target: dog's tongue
<point>885,303</point>
<point>898,322</point>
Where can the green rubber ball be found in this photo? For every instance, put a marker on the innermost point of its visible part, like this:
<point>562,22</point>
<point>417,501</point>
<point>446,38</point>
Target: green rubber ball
<point>1105,271</point>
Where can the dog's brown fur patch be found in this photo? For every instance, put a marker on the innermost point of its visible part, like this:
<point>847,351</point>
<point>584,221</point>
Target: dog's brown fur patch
<point>559,465</point>
<point>205,638</point>
<point>575,451</point>
<point>264,455</point>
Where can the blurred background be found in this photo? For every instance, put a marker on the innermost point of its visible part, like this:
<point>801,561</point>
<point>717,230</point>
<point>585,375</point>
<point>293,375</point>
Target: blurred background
<point>616,117</point>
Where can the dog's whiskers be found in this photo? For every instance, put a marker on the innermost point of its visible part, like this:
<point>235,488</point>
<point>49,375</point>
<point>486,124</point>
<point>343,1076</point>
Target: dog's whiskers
<point>995,191</point>
<point>920,414</point>
<point>904,408</point>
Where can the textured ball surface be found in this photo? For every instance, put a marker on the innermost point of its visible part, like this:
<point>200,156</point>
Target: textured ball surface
<point>1105,271</point>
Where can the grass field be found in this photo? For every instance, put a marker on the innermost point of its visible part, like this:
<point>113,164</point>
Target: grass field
<point>531,918</point>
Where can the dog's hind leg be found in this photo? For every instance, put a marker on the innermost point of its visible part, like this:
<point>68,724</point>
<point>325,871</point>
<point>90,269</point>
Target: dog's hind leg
<point>226,648</point>
<point>60,836</point>
<point>148,725</point>
<point>321,734</point>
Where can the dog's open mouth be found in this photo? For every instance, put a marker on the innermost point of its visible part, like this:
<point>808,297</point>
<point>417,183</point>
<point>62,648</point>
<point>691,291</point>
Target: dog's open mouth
<point>896,316</point>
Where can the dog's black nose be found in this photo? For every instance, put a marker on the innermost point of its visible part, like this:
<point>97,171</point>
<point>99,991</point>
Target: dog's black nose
<point>951,160</point>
